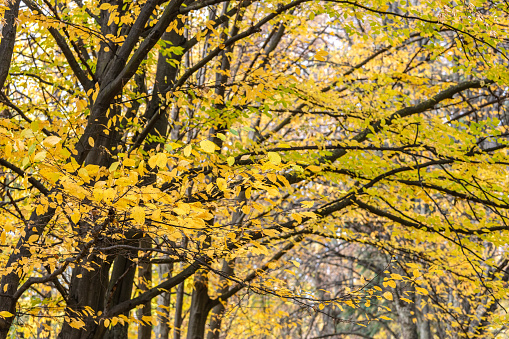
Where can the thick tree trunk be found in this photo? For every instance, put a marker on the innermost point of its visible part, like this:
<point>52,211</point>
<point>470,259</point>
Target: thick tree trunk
<point>407,318</point>
<point>8,39</point>
<point>87,290</point>
<point>218,310</point>
<point>119,290</point>
<point>200,307</point>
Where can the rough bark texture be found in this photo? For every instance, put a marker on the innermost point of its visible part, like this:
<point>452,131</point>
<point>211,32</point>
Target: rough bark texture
<point>200,307</point>
<point>406,316</point>
<point>87,289</point>
<point>119,289</point>
<point>8,39</point>
<point>179,303</point>
<point>218,311</point>
<point>145,278</point>
<point>162,330</point>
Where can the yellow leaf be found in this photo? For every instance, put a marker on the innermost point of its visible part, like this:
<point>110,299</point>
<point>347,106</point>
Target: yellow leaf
<point>187,150</point>
<point>40,156</point>
<point>407,300</point>
<point>147,319</point>
<point>396,276</point>
<point>391,283</point>
<point>33,238</point>
<point>158,160</point>
<point>77,323</point>
<point>270,233</point>
<point>114,166</point>
<point>296,263</point>
<point>129,162</point>
<point>51,141</point>
<point>246,209</point>
<point>221,184</point>
<point>383,317</point>
<point>182,209</point>
<point>208,146</point>
<point>274,158</point>
<point>75,217</point>
<point>162,160</point>
<point>308,204</point>
<point>108,194</point>
<point>156,215</point>
<point>3,238</point>
<point>8,150</point>
<point>5,314</point>
<point>297,217</point>
<point>314,168</point>
<point>138,214</point>
<point>320,55</point>
<point>421,290</point>
<point>82,104</point>
<point>152,162</point>
<point>230,161</point>
<point>105,6</point>
<point>309,214</point>
<point>106,322</point>
<point>91,141</point>
<point>388,295</point>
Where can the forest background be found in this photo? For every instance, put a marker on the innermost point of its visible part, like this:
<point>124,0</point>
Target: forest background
<point>254,169</point>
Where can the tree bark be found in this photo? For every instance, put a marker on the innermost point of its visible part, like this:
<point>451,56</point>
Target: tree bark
<point>179,303</point>
<point>87,290</point>
<point>407,318</point>
<point>200,307</point>
<point>218,310</point>
<point>163,308</point>
<point>8,39</point>
<point>145,277</point>
<point>120,289</point>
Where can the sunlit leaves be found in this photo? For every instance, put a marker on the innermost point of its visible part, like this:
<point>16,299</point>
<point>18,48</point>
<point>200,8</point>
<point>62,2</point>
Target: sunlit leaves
<point>207,146</point>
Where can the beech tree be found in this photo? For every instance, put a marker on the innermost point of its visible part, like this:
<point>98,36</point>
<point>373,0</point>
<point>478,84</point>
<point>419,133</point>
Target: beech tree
<point>247,168</point>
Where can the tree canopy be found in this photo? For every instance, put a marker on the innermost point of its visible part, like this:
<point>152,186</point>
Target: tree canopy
<point>254,169</point>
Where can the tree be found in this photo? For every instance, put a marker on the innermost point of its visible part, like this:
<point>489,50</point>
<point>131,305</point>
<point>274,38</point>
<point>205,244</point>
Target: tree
<point>192,159</point>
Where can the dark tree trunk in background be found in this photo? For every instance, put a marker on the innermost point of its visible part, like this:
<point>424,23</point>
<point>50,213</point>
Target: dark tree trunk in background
<point>87,289</point>
<point>145,279</point>
<point>200,307</point>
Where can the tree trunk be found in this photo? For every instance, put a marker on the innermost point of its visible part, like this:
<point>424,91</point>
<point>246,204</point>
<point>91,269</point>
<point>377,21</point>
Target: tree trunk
<point>406,316</point>
<point>218,310</point>
<point>87,290</point>
<point>163,308</point>
<point>200,307</point>
<point>179,303</point>
<point>120,289</point>
<point>145,277</point>
<point>8,39</point>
